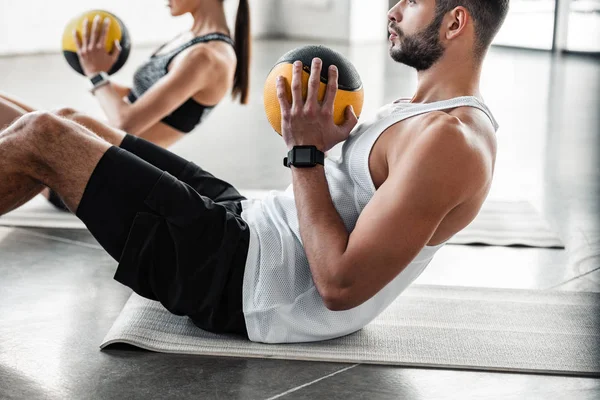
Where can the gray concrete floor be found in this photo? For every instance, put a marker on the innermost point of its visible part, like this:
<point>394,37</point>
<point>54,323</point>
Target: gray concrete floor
<point>58,299</point>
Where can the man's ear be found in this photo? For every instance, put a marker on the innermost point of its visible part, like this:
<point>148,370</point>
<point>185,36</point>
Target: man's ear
<point>456,21</point>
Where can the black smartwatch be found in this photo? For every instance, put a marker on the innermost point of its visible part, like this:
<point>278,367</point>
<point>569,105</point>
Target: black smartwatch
<point>304,157</point>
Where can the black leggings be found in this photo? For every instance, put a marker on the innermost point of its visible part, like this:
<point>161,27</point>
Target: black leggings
<point>175,230</point>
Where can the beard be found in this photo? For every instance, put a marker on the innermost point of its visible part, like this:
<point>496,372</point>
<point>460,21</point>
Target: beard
<point>420,50</point>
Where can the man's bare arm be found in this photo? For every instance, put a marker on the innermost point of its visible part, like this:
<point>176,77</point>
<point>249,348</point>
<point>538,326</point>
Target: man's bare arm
<point>441,172</point>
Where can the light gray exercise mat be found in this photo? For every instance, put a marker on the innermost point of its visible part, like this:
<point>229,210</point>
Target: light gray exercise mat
<point>39,213</point>
<point>546,332</point>
<point>500,223</point>
<point>509,223</point>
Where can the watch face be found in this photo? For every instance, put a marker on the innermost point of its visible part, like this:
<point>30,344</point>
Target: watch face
<point>303,156</point>
<point>97,78</point>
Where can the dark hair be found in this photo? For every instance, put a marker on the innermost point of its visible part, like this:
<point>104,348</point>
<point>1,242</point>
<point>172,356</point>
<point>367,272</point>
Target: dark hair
<point>243,48</point>
<point>488,16</point>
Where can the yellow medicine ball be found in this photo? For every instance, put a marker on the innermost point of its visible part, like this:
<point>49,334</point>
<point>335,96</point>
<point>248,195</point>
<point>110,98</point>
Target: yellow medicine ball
<point>116,31</point>
<point>350,88</point>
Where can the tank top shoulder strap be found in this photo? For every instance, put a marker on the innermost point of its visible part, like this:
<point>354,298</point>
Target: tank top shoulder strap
<point>409,109</point>
<point>209,38</point>
<point>204,39</point>
<point>200,39</point>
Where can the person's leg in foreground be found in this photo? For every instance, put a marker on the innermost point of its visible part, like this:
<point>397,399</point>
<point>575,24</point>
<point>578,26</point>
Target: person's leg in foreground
<point>172,244</point>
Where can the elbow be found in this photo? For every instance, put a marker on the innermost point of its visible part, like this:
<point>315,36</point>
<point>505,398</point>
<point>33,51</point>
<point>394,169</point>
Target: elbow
<point>338,299</point>
<point>336,305</point>
<point>122,123</point>
<point>123,118</point>
<point>338,290</point>
<point>125,124</point>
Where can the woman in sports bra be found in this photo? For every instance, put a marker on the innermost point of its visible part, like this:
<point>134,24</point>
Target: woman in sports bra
<point>181,82</point>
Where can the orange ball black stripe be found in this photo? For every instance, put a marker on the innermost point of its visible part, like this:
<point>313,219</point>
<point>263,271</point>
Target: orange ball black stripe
<point>117,31</point>
<point>350,88</point>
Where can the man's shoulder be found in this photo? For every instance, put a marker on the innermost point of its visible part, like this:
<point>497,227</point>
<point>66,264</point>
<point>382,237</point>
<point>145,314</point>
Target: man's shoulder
<point>437,132</point>
<point>464,130</point>
<point>452,150</point>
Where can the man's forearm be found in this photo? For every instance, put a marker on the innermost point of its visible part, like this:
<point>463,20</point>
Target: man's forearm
<point>323,233</point>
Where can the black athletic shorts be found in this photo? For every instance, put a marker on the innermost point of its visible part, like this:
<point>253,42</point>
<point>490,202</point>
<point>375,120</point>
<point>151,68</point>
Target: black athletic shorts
<point>175,230</point>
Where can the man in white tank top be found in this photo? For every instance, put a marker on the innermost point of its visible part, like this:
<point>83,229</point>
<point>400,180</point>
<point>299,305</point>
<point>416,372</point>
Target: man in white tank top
<point>407,181</point>
<point>328,255</point>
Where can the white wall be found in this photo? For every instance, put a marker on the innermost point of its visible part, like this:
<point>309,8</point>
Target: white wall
<point>368,21</point>
<point>313,19</point>
<point>347,21</point>
<point>37,25</point>
<point>264,16</point>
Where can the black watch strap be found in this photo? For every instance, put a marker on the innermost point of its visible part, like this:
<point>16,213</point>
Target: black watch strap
<point>304,157</point>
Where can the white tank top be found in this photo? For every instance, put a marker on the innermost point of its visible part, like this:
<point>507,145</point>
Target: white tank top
<point>280,301</point>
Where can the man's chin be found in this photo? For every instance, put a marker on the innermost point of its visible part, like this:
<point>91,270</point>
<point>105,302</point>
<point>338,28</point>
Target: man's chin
<point>396,54</point>
<point>394,48</point>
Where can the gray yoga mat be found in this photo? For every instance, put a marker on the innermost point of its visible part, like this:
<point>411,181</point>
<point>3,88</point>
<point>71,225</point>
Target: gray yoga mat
<point>500,223</point>
<point>546,332</point>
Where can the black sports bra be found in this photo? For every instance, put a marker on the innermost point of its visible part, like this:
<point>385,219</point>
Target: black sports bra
<point>190,113</point>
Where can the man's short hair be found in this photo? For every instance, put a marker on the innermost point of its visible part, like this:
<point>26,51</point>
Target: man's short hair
<point>488,16</point>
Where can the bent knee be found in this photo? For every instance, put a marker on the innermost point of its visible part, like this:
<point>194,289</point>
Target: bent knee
<point>37,119</point>
<point>39,125</point>
<point>44,119</point>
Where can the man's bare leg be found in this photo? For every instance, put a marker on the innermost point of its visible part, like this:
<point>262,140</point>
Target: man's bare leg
<point>9,112</point>
<point>111,135</point>
<point>8,99</point>
<point>42,149</point>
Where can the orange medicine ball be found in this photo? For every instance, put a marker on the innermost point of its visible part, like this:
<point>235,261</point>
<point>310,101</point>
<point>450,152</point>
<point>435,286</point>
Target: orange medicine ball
<point>350,89</point>
<point>116,31</point>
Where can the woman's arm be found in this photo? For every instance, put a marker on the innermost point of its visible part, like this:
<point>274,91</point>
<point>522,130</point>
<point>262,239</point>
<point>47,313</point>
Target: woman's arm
<point>182,82</point>
<point>122,91</point>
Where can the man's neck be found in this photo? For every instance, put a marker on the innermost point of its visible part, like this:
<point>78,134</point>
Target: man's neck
<point>447,79</point>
